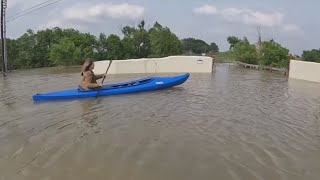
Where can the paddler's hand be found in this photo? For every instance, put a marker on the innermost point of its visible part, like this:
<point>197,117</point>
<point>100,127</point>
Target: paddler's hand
<point>104,75</point>
<point>100,84</point>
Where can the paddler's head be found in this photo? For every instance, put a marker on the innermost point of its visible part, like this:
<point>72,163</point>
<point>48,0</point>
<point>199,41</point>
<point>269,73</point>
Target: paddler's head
<point>88,65</point>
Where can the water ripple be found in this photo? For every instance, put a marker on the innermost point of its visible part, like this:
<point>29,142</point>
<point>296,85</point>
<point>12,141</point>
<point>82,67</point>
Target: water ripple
<point>232,124</point>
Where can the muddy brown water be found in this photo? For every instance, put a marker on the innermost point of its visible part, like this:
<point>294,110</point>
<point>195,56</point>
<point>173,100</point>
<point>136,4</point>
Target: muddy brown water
<point>233,124</point>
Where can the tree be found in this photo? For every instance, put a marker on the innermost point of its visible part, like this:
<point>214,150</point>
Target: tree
<point>57,34</point>
<point>101,47</point>
<point>163,42</point>
<point>312,55</point>
<point>142,41</point>
<point>129,50</point>
<point>197,46</point>
<point>136,41</point>
<point>245,52</point>
<point>214,47</point>
<point>57,46</point>
<point>233,41</point>
<point>270,52</point>
<point>87,42</point>
<point>13,62</point>
<point>273,54</point>
<point>128,31</point>
<point>26,48</point>
<point>64,53</point>
<point>114,47</point>
<point>128,42</point>
<point>44,41</point>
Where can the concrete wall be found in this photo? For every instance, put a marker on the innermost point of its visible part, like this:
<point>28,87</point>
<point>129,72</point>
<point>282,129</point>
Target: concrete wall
<point>171,64</point>
<point>303,70</point>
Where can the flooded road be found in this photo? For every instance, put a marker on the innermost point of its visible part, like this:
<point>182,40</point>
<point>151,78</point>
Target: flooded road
<point>233,124</point>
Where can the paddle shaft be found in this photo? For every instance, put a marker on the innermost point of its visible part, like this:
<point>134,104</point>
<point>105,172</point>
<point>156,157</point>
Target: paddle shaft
<point>104,77</point>
<point>106,72</point>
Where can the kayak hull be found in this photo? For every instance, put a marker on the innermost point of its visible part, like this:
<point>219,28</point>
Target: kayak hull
<point>140,85</point>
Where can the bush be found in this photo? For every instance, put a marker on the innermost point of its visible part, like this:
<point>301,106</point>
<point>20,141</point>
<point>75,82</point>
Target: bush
<point>273,54</point>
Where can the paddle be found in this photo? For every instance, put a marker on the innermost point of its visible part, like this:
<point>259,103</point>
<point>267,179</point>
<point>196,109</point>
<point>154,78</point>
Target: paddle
<point>104,78</point>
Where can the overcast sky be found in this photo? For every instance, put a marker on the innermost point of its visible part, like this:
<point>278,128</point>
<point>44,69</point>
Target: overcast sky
<point>293,23</point>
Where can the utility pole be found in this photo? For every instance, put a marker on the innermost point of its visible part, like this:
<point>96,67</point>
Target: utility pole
<point>5,36</point>
<point>4,63</point>
<point>259,42</point>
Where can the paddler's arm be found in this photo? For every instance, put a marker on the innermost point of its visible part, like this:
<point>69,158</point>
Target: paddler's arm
<point>89,82</point>
<point>99,76</point>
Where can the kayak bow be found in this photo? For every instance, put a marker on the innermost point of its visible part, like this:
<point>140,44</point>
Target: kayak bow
<point>139,85</point>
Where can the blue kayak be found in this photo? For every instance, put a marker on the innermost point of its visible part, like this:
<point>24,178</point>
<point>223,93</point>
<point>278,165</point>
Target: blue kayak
<point>140,85</point>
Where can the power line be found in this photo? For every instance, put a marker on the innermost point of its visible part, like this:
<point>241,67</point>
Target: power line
<point>33,10</point>
<point>29,9</point>
<point>15,17</point>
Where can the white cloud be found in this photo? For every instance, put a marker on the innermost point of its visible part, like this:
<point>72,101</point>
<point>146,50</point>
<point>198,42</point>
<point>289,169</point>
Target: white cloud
<point>95,13</point>
<point>251,17</point>
<point>82,13</point>
<point>244,16</point>
<point>205,9</point>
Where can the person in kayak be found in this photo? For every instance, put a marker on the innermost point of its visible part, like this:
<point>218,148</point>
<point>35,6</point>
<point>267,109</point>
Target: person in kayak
<point>88,78</point>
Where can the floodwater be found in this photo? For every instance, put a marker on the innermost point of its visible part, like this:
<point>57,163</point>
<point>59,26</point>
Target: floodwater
<point>234,124</point>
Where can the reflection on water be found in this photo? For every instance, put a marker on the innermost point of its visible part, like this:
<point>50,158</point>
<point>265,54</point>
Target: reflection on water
<point>232,124</point>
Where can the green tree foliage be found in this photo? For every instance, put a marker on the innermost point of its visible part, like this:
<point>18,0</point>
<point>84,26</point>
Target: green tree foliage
<point>64,52</point>
<point>198,46</point>
<point>101,47</point>
<point>136,41</point>
<point>163,42</point>
<point>114,47</point>
<point>214,47</point>
<point>233,41</point>
<point>56,46</point>
<point>142,41</point>
<point>12,54</point>
<point>26,48</point>
<point>41,49</point>
<point>273,54</point>
<point>311,55</point>
<point>245,52</point>
<point>129,49</point>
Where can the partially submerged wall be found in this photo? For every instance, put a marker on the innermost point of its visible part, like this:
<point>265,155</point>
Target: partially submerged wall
<point>171,64</point>
<point>304,70</point>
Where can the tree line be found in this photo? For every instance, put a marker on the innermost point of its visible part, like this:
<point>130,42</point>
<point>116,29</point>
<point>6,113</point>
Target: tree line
<point>266,53</point>
<point>57,46</point>
<point>311,55</point>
